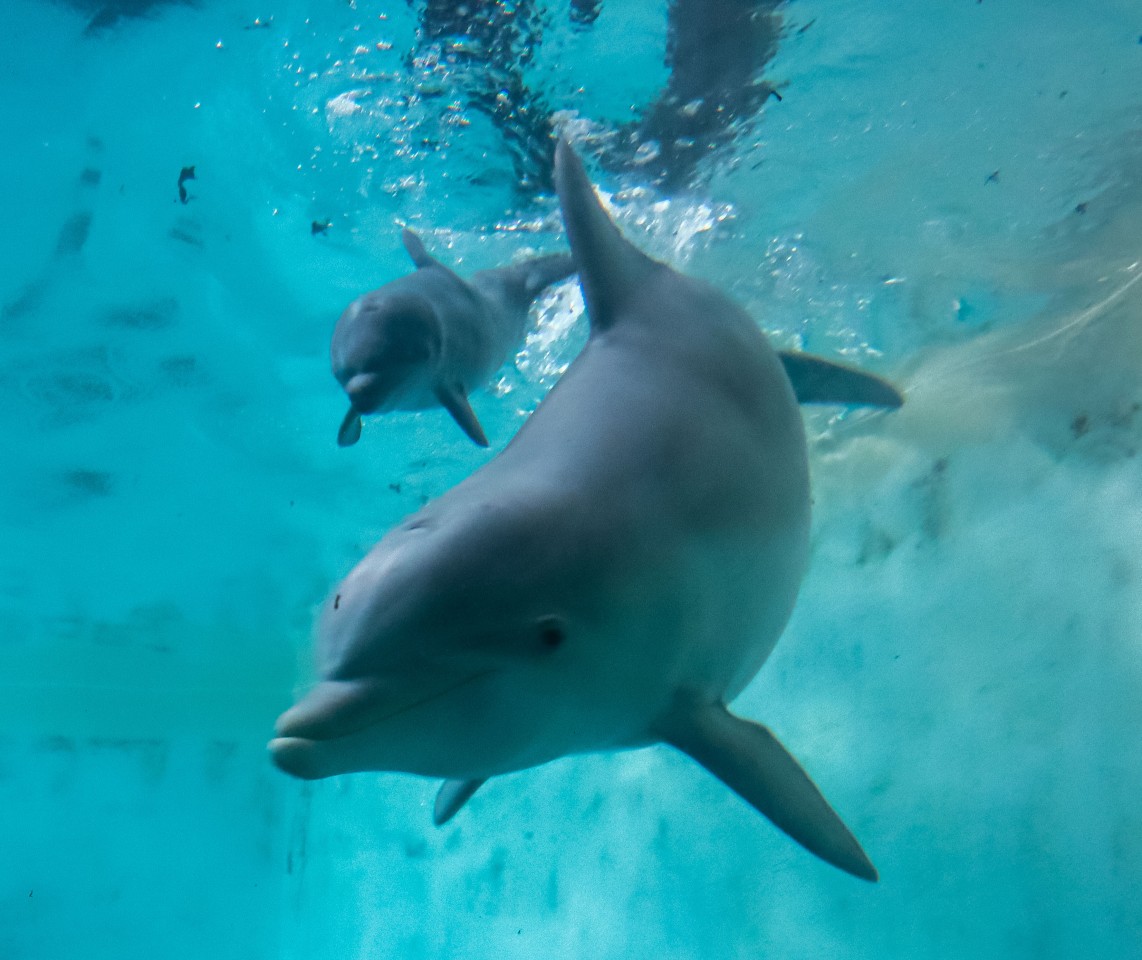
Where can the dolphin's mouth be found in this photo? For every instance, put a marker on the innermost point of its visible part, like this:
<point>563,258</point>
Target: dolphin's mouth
<point>336,710</point>
<point>367,392</point>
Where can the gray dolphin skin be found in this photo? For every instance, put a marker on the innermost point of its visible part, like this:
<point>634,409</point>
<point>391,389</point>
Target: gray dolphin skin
<point>611,580</point>
<point>430,338</point>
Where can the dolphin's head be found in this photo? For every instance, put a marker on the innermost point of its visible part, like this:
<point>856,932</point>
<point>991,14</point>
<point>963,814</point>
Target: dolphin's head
<point>449,648</point>
<point>384,345</point>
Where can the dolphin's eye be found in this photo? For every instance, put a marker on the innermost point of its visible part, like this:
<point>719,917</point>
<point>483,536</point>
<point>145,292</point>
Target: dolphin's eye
<point>552,632</point>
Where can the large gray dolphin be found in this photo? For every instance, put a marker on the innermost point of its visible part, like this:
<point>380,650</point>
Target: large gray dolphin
<point>430,338</point>
<point>611,580</point>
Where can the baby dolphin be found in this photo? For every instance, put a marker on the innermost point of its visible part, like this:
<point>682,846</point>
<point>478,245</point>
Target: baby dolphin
<point>430,338</point>
<point>611,580</point>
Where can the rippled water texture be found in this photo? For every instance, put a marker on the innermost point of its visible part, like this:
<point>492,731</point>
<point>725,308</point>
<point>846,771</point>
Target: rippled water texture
<point>946,193</point>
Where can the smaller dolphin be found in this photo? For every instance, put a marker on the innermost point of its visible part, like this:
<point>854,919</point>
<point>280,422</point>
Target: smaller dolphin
<point>430,338</point>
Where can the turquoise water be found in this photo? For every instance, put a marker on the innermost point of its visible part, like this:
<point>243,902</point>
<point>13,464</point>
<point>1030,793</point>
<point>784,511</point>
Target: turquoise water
<point>947,193</point>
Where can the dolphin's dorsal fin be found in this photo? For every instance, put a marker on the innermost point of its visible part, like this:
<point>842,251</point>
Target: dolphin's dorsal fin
<point>610,268</point>
<point>453,400</point>
<point>452,796</point>
<point>350,430</point>
<point>415,247</point>
<point>816,380</point>
<point>750,760</point>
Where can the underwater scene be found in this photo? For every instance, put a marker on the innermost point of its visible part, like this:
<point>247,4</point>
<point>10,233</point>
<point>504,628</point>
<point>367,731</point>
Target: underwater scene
<point>595,478</point>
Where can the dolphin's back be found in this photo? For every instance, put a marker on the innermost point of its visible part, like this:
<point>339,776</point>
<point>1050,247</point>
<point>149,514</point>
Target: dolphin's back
<point>680,420</point>
<point>508,293</point>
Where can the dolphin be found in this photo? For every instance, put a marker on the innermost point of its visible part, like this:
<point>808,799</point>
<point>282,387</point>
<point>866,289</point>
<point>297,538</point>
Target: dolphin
<point>430,338</point>
<point>611,580</point>
<point>107,13</point>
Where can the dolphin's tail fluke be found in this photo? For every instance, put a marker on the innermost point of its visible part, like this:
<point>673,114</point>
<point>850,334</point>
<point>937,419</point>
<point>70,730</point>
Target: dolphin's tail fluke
<point>522,282</point>
<point>750,760</point>
<point>542,272</point>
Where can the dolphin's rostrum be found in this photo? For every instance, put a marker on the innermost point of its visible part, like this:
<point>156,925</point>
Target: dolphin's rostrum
<point>612,579</point>
<point>430,338</point>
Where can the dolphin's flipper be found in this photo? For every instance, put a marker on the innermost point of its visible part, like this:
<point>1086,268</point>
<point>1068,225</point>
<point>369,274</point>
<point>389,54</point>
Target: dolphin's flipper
<point>816,380</point>
<point>611,269</point>
<point>415,247</point>
<point>350,430</point>
<point>452,796</point>
<point>453,400</point>
<point>749,760</point>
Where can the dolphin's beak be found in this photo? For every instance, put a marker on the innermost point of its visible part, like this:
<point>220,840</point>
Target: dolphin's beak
<point>302,758</point>
<point>366,392</point>
<point>334,708</point>
<point>310,732</point>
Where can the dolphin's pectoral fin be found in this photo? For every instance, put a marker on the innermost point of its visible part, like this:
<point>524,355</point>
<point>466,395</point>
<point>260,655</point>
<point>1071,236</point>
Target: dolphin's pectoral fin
<point>748,759</point>
<point>452,796</point>
<point>350,430</point>
<point>456,403</point>
<point>816,380</point>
